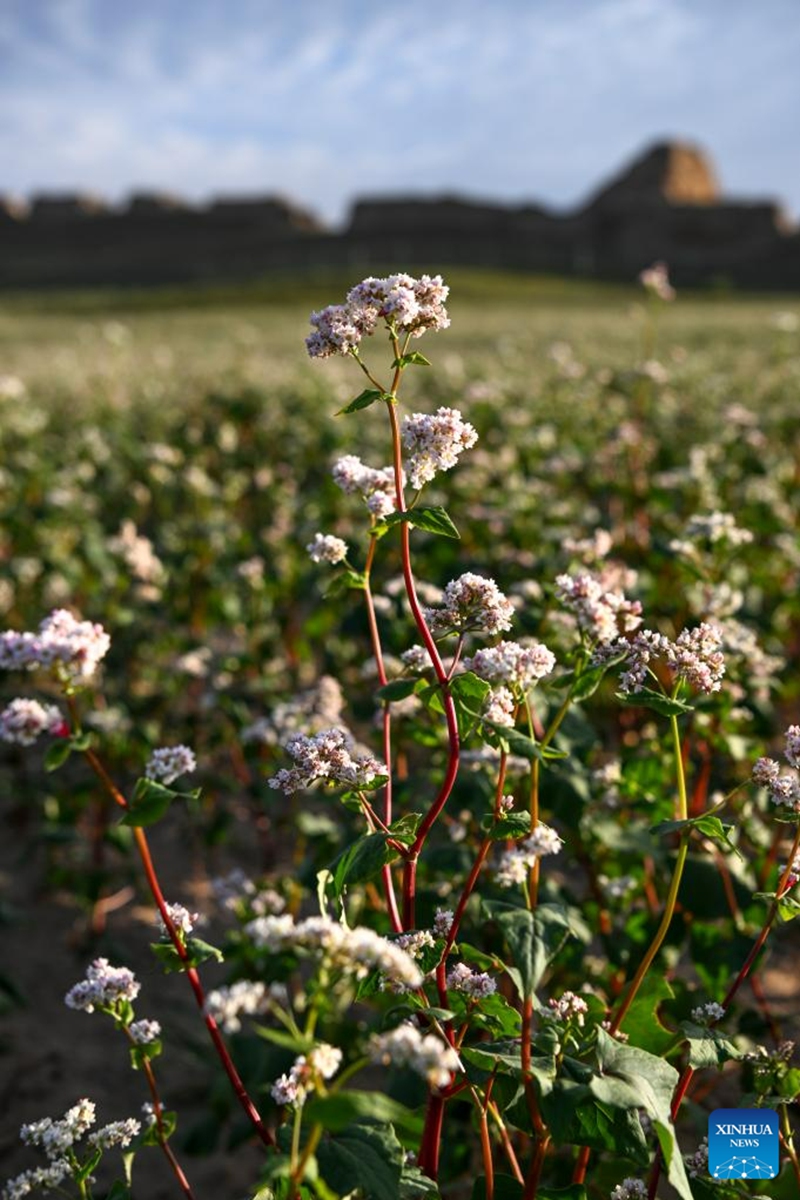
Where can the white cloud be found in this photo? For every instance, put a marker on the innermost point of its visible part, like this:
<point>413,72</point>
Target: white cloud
<point>323,102</point>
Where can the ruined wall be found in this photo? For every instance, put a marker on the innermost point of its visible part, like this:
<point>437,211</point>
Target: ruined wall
<point>665,205</point>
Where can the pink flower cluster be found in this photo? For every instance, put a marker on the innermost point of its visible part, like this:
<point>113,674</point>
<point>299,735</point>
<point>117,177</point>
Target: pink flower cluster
<point>326,755</point>
<point>512,663</point>
<point>71,647</point>
<point>784,790</point>
<point>374,485</point>
<point>471,602</point>
<point>694,657</point>
<point>23,721</point>
<point>655,280</point>
<point>406,305</point>
<point>601,613</point>
<point>103,986</point>
<point>435,443</point>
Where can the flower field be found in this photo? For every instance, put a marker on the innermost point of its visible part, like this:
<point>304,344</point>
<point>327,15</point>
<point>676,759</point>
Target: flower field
<point>482,699</point>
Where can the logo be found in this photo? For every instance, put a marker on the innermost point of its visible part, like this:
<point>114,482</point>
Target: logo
<point>743,1143</point>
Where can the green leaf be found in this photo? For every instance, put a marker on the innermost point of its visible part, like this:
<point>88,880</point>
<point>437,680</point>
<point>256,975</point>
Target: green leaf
<point>363,400</point>
<point>533,939</point>
<point>432,518</point>
<point>708,1047</point>
<point>508,826</point>
<point>657,701</point>
<point>642,1023</point>
<point>398,689</point>
<point>150,802</point>
<point>788,907</point>
<point>416,1186</point>
<point>57,754</point>
<point>336,1112</point>
<point>282,1037</point>
<point>200,952</point>
<point>367,1157</point>
<point>707,825</point>
<point>362,860</point>
<point>520,744</point>
<point>345,581</point>
<point>197,951</point>
<point>404,829</point>
<point>414,359</point>
<point>119,1191</point>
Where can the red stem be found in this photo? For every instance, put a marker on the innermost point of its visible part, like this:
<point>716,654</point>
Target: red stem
<point>191,974</point>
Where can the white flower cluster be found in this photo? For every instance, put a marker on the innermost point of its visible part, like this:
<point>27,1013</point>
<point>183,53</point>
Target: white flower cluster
<point>784,790</point>
<point>428,1055</point>
<point>168,762</point>
<point>629,1189</point>
<point>416,659</point>
<point>474,984</point>
<point>57,1137</point>
<point>37,1179</point>
<point>245,997</point>
<point>697,1163</point>
<point>568,1007</point>
<point>326,548</point>
<point>138,553</point>
<point>655,280</point>
<point>601,613</point>
<point>144,1032</point>
<point>322,1063</point>
<point>443,922</point>
<point>23,721</point>
<point>74,648</point>
<point>710,527</point>
<point>515,864</point>
<point>512,663</point>
<point>325,755</point>
<point>183,920</point>
<point>355,952</point>
<point>471,602</point>
<point>435,443</point>
<point>103,986</point>
<point>116,1133</point>
<point>375,485</point>
<point>406,304</point>
<point>706,1014</point>
<point>414,941</point>
<point>694,657</point>
<point>498,707</point>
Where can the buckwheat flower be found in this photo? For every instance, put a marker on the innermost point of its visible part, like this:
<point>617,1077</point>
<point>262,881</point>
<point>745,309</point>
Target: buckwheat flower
<point>427,1054</point>
<point>646,647</point>
<point>55,1138</point>
<point>474,984</point>
<point>354,952</point>
<point>327,756</point>
<point>512,663</point>
<point>706,1014</point>
<point>696,658</point>
<point>629,1189</point>
<point>601,612</point>
<point>416,659</point>
<point>144,1032</point>
<point>183,920</point>
<point>415,941</point>
<point>335,331</point>
<point>327,548</point>
<point>37,1178</point>
<point>231,889</point>
<point>471,602</point>
<point>286,1090</point>
<point>515,864</point>
<point>792,747</point>
<point>765,772</point>
<point>793,878</point>
<point>73,648</point>
<point>568,1007</point>
<point>104,985</point>
<point>655,280</point>
<point>117,1133</point>
<point>435,443</point>
<point>325,1060</point>
<point>499,706</point>
<point>443,922</point>
<point>167,763</point>
<point>23,721</point>
<point>697,1163</point>
<point>245,997</point>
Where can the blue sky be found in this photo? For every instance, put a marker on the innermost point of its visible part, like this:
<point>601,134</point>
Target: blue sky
<point>325,100</point>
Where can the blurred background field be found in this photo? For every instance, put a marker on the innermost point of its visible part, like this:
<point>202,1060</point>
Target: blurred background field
<point>164,460</point>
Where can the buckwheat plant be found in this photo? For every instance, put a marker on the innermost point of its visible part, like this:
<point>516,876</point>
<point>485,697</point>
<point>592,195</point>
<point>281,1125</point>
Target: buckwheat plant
<point>537,926</point>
